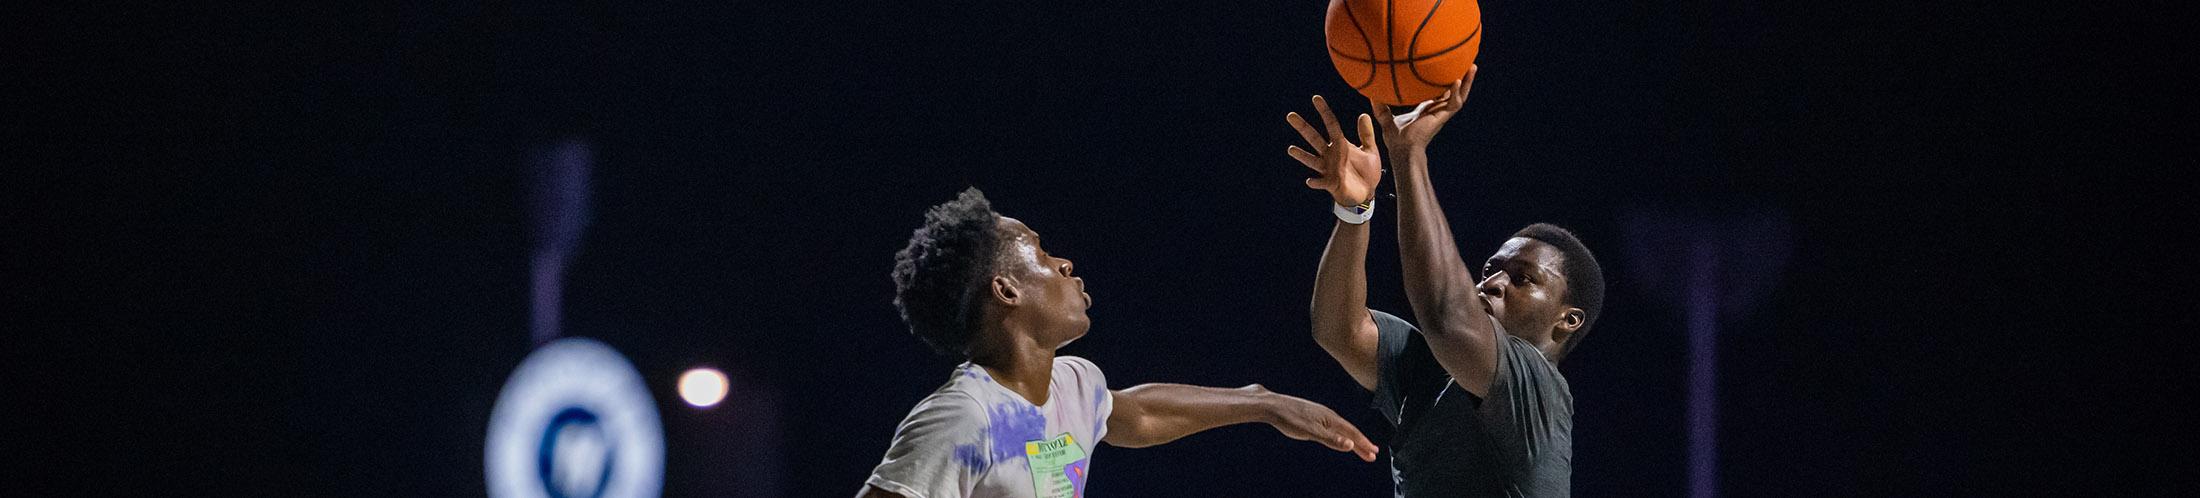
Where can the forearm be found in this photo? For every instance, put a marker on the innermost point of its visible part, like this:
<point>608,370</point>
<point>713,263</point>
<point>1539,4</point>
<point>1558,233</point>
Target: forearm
<point>1340,319</point>
<point>1454,320</point>
<point>1437,281</point>
<point>1151,414</point>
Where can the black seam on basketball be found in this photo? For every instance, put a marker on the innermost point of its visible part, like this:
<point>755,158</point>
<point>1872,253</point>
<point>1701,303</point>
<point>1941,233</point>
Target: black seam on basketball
<point>1414,44</point>
<point>1431,55</point>
<point>1390,44</point>
<point>1417,67</point>
<point>1370,44</point>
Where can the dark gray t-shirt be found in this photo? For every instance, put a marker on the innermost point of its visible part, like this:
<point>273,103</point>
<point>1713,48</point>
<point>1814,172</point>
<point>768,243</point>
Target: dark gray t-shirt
<point>1517,442</point>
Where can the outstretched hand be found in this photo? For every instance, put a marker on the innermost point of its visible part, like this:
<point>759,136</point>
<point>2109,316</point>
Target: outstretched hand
<point>1305,420</point>
<point>1417,128</point>
<point>1348,172</point>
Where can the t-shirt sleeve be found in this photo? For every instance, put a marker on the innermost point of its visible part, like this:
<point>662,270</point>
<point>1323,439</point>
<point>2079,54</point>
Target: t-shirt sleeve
<point>1399,353</point>
<point>938,451</point>
<point>1530,410</point>
<point>1092,384</point>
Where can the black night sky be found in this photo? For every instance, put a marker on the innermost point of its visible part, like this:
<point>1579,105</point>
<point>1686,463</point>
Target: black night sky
<point>285,248</point>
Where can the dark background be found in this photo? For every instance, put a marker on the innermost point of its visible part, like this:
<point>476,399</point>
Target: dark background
<point>283,249</point>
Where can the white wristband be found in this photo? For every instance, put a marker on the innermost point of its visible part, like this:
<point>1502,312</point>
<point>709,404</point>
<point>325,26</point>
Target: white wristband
<point>1354,214</point>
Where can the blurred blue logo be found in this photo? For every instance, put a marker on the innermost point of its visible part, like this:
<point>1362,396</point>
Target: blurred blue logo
<point>575,421</point>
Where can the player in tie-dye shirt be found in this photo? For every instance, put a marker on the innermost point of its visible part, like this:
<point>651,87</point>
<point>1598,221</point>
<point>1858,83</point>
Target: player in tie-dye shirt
<point>1015,420</point>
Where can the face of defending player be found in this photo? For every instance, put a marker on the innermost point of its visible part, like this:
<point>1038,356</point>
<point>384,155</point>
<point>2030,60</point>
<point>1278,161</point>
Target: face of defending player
<point>1526,291</point>
<point>1037,289</point>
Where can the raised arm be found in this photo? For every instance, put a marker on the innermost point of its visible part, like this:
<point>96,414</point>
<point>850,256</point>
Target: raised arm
<point>1151,414</point>
<point>1454,319</point>
<point>1349,174</point>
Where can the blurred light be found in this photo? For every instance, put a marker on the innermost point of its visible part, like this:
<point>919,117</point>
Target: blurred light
<point>575,419</point>
<point>702,387</point>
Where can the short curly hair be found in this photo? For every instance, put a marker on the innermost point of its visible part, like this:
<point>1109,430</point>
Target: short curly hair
<point>1584,277</point>
<point>940,277</point>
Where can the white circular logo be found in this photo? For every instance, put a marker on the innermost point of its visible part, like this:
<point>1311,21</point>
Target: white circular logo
<point>575,421</point>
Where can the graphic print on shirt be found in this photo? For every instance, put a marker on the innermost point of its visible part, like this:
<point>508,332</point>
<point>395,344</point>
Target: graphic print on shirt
<point>1058,466</point>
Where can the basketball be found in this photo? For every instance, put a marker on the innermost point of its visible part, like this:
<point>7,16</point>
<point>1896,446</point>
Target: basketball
<point>1402,52</point>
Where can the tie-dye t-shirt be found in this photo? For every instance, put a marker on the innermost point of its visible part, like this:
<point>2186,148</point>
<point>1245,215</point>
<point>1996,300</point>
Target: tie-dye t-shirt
<point>975,438</point>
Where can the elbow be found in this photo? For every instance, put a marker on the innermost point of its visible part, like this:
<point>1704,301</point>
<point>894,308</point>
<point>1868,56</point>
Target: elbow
<point>1132,442</point>
<point>1341,333</point>
<point>1130,426</point>
<point>1321,318</point>
<point>1132,434</point>
<point>1330,327</point>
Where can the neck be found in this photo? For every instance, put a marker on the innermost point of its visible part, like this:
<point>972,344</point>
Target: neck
<point>1020,364</point>
<point>1547,345</point>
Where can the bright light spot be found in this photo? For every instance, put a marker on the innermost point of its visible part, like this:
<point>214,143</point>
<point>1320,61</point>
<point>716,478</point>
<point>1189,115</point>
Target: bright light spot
<point>702,387</point>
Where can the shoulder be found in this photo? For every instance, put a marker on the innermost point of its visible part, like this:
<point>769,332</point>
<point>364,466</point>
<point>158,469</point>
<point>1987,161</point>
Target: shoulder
<point>1085,381</point>
<point>1076,362</point>
<point>951,400</point>
<point>945,409</point>
<point>1387,321</point>
<point>1524,352</point>
<point>1525,367</point>
<point>1079,370</point>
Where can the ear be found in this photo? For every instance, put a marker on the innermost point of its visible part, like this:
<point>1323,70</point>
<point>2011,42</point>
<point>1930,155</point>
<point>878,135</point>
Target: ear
<point>1569,321</point>
<point>1004,290</point>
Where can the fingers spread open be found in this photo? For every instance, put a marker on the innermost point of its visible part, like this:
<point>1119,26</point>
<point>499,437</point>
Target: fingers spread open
<point>1367,132</point>
<point>1329,119</point>
<point>1306,131</point>
<point>1311,161</point>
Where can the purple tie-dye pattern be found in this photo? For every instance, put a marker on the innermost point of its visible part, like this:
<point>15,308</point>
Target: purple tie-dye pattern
<point>972,458</point>
<point>1099,397</point>
<point>1076,473</point>
<point>1011,425</point>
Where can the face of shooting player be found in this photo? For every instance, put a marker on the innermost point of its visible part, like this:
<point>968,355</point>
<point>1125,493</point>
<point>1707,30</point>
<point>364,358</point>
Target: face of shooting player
<point>1040,291</point>
<point>1526,290</point>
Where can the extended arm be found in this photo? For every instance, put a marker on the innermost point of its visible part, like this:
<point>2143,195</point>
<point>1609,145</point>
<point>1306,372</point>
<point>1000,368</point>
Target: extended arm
<point>1151,414</point>
<point>1349,174</point>
<point>1454,320</point>
<point>1342,325</point>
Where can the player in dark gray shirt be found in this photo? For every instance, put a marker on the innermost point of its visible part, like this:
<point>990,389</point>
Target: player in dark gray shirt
<point>1475,393</point>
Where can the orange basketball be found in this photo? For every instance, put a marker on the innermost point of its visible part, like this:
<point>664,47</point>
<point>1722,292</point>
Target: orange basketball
<point>1402,52</point>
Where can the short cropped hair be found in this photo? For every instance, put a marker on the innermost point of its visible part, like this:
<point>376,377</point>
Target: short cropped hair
<point>1584,277</point>
<point>940,277</point>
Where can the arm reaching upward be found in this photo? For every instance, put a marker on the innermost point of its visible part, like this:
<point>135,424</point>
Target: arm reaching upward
<point>1349,173</point>
<point>1342,325</point>
<point>1454,320</point>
